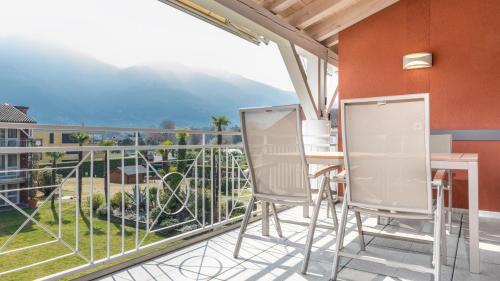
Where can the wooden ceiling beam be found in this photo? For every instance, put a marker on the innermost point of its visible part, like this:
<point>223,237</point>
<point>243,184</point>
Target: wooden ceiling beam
<point>340,21</point>
<point>317,11</point>
<point>279,6</point>
<point>334,40</point>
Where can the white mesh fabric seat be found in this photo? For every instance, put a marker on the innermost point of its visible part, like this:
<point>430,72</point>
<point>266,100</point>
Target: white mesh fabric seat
<point>274,150</point>
<point>387,161</point>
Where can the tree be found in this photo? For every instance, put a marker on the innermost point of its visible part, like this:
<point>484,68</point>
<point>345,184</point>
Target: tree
<point>54,156</point>
<point>81,138</point>
<point>181,153</point>
<point>105,165</point>
<point>219,123</point>
<point>164,155</point>
<point>168,125</point>
<point>181,160</point>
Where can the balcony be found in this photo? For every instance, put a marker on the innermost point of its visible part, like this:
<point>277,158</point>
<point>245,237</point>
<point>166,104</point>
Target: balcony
<point>14,142</point>
<point>155,217</point>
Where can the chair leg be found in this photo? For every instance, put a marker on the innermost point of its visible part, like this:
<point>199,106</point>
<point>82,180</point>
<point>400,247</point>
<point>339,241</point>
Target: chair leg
<point>276,220</point>
<point>243,227</point>
<point>360,231</point>
<point>328,209</point>
<point>312,227</point>
<point>437,235</point>
<point>444,245</point>
<point>331,207</point>
<point>340,238</point>
<point>450,199</point>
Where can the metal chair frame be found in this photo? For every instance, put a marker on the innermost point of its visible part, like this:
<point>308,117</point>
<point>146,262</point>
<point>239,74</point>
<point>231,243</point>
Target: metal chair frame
<point>266,199</point>
<point>433,213</point>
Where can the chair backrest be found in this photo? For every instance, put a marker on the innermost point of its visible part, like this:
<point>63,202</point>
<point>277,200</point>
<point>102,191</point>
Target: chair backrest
<point>441,143</point>
<point>275,153</point>
<point>386,145</point>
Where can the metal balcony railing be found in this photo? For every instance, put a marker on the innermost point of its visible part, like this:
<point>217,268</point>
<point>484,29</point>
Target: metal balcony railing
<point>116,201</point>
<point>15,142</point>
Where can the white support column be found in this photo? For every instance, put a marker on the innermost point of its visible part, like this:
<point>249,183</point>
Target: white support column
<point>299,78</point>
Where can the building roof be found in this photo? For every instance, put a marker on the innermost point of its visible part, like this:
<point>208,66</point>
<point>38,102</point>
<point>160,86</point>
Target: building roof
<point>10,114</point>
<point>130,170</point>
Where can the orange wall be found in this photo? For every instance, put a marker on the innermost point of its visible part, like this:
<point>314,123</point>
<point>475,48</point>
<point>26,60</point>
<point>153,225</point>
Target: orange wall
<point>464,82</point>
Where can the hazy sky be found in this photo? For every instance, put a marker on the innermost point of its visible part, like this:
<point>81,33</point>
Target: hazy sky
<point>134,32</point>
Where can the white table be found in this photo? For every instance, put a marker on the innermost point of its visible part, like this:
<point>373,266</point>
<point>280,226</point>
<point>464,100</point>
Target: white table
<point>449,161</point>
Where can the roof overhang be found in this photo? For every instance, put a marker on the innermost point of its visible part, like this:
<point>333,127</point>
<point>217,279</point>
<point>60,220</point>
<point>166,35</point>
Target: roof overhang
<point>313,25</point>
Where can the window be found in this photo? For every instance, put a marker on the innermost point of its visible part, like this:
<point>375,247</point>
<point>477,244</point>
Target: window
<point>2,165</point>
<point>11,195</point>
<point>8,162</point>
<point>12,133</point>
<point>66,138</point>
<point>51,138</point>
<point>8,137</point>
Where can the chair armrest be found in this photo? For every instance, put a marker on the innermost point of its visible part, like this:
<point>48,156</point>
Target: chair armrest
<point>440,178</point>
<point>325,170</point>
<point>340,177</point>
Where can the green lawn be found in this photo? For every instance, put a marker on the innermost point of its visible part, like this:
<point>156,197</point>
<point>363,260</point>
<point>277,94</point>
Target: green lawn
<point>33,234</point>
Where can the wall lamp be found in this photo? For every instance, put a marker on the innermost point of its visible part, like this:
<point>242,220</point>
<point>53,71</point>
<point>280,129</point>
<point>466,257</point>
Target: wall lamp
<point>417,60</point>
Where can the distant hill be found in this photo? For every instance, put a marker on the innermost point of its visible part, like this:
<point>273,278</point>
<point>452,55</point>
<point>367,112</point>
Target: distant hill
<point>62,87</point>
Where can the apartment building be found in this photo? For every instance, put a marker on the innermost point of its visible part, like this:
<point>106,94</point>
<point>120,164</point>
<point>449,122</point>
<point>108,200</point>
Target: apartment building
<point>10,164</point>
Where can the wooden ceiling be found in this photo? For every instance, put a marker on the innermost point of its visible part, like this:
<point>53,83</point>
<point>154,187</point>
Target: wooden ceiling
<point>322,20</point>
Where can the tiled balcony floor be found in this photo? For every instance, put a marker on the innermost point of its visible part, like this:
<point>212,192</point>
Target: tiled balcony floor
<point>281,259</point>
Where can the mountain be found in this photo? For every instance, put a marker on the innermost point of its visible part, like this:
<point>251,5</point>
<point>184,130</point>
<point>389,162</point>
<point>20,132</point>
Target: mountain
<point>63,87</point>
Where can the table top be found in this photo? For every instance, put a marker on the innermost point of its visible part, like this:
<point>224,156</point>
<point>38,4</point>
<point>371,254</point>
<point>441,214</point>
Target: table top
<point>449,157</point>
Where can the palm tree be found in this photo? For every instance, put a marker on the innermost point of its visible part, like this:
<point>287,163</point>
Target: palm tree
<point>55,156</point>
<point>81,138</point>
<point>105,165</point>
<point>218,122</point>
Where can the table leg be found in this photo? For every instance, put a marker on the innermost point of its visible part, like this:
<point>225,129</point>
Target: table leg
<point>473,217</point>
<point>305,211</point>
<point>265,218</point>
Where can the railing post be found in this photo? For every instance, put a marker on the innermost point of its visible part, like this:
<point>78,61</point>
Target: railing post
<point>123,201</point>
<point>203,140</point>
<point>136,191</point>
<point>108,207</point>
<point>212,199</point>
<point>59,200</point>
<point>147,197</point>
<point>196,186</point>
<point>91,207</point>
<point>77,210</point>
<point>227,184</point>
<point>219,179</point>
<point>232,182</point>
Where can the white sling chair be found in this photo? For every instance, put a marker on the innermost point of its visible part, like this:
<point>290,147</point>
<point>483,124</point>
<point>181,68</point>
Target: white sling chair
<point>388,173</point>
<point>279,172</point>
<point>442,143</point>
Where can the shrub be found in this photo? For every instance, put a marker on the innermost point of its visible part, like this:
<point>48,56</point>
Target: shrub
<point>155,213</point>
<point>116,201</point>
<point>97,201</point>
<point>102,211</point>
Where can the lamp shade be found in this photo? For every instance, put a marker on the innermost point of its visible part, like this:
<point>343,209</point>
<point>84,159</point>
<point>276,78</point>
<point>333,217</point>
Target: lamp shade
<point>417,60</point>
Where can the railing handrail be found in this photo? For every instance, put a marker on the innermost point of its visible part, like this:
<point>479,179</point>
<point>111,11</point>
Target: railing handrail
<point>99,129</point>
<point>43,149</point>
